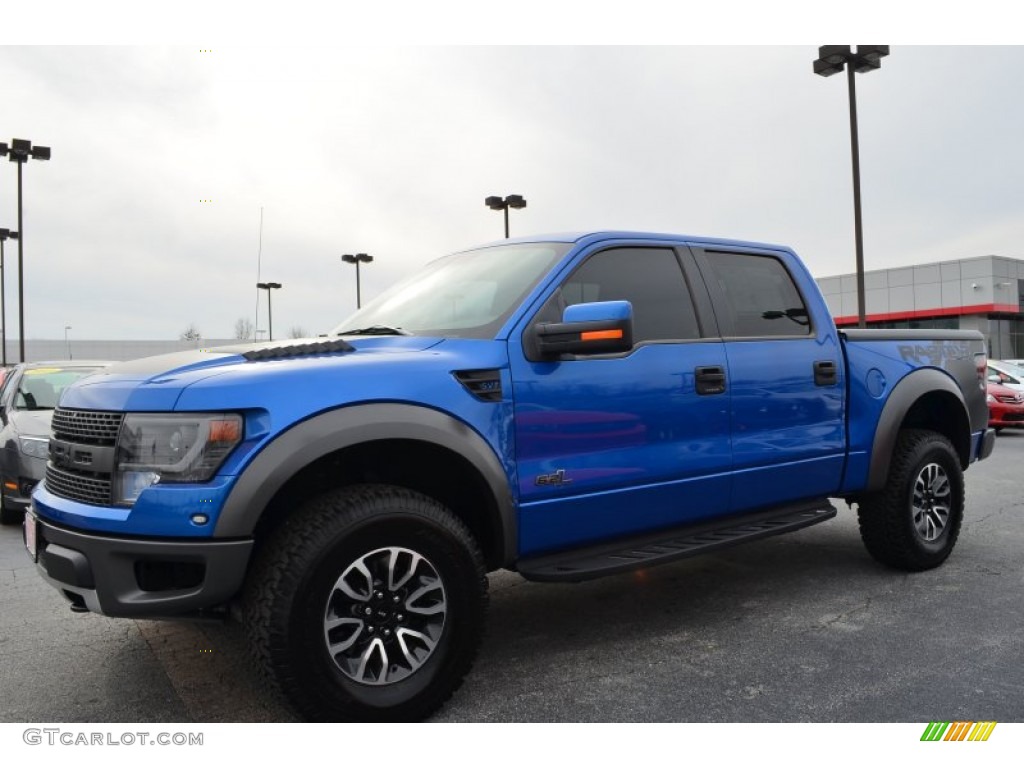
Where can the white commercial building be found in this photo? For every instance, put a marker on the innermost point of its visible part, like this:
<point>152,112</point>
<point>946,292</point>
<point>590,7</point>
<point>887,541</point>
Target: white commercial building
<point>37,350</point>
<point>984,293</point>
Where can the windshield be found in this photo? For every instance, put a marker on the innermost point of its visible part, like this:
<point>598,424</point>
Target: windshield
<point>469,294</point>
<point>41,388</point>
<point>1013,368</point>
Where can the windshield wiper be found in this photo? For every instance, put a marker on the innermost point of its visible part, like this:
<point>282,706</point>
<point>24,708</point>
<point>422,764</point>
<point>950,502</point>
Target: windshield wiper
<point>375,330</point>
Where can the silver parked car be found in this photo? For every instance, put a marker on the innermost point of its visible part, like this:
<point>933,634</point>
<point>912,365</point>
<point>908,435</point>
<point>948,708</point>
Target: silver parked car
<point>29,395</point>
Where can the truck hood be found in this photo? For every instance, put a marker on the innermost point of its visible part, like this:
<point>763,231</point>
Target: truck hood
<point>156,383</point>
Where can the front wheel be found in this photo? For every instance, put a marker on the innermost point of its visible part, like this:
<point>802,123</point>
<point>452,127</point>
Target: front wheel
<point>913,523</point>
<point>368,604</point>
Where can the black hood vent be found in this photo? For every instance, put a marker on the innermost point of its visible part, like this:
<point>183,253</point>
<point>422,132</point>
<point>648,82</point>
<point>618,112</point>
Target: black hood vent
<point>483,385</point>
<point>299,350</point>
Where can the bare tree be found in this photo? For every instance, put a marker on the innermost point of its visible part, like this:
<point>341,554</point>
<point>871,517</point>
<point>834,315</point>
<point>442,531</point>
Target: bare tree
<point>243,328</point>
<point>298,332</point>
<point>191,333</point>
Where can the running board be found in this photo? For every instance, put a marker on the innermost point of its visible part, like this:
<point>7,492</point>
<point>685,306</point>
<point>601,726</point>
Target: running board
<point>642,552</point>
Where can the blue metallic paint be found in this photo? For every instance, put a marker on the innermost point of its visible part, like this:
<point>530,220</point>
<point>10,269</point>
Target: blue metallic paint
<point>639,448</point>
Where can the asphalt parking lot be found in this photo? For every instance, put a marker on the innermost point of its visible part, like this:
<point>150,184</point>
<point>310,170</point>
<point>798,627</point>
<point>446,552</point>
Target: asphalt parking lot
<point>799,628</point>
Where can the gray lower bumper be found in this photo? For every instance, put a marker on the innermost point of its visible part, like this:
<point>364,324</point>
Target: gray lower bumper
<point>986,443</point>
<point>140,577</point>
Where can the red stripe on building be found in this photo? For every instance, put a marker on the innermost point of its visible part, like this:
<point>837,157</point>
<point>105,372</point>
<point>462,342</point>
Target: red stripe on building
<point>910,314</point>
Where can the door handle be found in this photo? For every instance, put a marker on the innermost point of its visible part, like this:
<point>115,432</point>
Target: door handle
<point>826,374</point>
<point>710,379</point>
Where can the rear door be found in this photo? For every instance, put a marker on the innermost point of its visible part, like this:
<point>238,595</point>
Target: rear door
<point>785,377</point>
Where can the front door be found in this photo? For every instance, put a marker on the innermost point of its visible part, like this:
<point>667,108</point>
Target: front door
<point>616,444</point>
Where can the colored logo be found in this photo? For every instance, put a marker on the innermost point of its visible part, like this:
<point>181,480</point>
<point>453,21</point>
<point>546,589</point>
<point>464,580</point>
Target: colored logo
<point>959,731</point>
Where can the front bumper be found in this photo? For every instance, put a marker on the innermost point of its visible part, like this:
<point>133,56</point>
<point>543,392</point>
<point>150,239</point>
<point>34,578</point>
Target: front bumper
<point>17,501</point>
<point>21,474</point>
<point>1000,415</point>
<point>140,578</point>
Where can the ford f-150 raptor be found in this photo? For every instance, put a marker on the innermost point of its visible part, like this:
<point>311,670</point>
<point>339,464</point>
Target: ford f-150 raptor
<point>565,407</point>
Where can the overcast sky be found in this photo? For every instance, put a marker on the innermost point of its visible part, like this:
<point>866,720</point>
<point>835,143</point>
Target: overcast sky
<point>391,151</point>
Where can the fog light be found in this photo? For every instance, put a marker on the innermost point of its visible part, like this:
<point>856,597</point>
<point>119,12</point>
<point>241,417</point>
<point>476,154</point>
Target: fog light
<point>134,483</point>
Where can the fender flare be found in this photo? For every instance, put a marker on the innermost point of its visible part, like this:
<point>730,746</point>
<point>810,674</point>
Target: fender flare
<point>907,391</point>
<point>309,440</point>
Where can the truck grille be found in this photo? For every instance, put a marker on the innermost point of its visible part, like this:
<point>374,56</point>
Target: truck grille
<point>86,428</point>
<point>91,427</point>
<point>77,486</point>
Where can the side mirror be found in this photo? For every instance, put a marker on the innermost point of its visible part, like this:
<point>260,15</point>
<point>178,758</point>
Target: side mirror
<point>596,328</point>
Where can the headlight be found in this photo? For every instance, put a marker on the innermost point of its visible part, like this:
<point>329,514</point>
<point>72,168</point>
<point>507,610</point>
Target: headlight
<point>171,448</point>
<point>990,399</point>
<point>37,447</point>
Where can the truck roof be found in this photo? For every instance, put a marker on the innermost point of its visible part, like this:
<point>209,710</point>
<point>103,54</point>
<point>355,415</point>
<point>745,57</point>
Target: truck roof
<point>611,234</point>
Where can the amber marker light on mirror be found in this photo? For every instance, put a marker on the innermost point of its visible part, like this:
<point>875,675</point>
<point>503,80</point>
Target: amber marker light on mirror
<point>600,335</point>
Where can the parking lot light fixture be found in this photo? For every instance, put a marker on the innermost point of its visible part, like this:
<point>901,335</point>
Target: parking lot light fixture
<point>496,203</point>
<point>268,287</point>
<point>357,259</point>
<point>20,151</point>
<point>831,60</point>
<point>5,234</point>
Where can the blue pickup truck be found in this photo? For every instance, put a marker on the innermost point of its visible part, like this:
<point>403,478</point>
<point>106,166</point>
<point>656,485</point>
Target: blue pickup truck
<point>565,407</point>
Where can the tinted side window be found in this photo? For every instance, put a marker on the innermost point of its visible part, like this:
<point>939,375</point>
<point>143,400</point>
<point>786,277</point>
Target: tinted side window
<point>761,297</point>
<point>650,279</point>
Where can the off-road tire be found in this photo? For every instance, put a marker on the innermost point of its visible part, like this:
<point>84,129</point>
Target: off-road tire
<point>913,523</point>
<point>317,561</point>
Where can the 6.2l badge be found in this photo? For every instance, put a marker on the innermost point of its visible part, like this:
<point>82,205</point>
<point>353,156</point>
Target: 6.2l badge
<point>555,478</point>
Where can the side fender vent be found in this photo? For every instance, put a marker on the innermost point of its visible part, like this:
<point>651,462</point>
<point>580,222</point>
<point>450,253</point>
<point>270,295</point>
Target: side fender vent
<point>483,385</point>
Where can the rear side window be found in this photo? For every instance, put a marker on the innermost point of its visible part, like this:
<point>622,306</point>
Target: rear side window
<point>648,278</point>
<point>761,297</point>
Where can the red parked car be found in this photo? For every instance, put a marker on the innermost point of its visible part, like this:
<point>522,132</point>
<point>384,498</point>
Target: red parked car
<point>1005,407</point>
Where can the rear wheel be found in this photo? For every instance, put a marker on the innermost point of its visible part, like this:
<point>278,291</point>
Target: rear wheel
<point>914,522</point>
<point>368,604</point>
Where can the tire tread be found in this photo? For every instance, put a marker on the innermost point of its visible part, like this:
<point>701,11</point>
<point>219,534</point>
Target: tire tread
<point>883,517</point>
<point>292,550</point>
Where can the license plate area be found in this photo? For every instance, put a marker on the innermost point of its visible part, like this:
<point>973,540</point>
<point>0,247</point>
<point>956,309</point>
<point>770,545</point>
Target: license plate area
<point>32,535</point>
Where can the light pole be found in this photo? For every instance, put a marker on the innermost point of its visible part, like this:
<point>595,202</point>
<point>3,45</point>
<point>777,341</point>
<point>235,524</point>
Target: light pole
<point>831,60</point>
<point>67,341</point>
<point>496,203</point>
<point>268,287</point>
<point>19,152</point>
<point>356,259</point>
<point>4,235</point>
